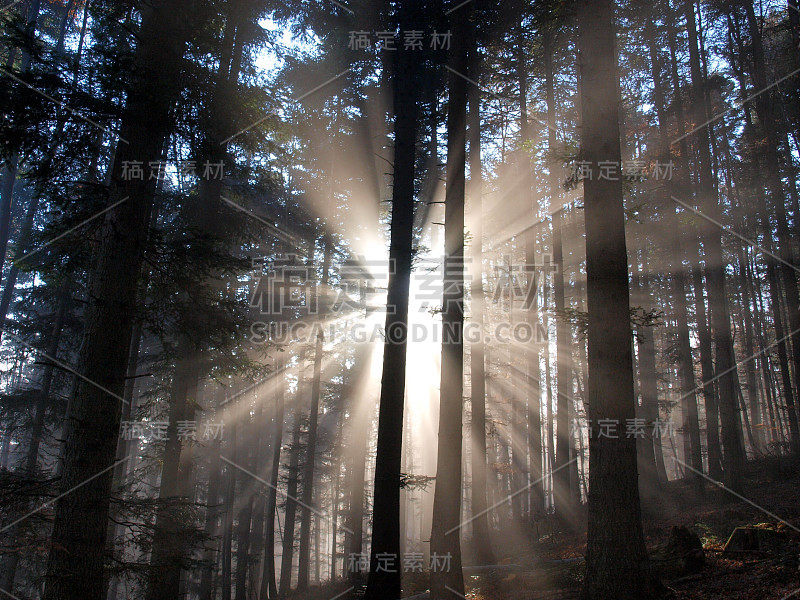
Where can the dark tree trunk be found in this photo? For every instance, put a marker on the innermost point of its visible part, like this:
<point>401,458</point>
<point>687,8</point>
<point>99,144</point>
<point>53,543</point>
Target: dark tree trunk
<point>311,446</point>
<point>703,333</point>
<point>169,538</point>
<point>648,388</point>
<point>268,583</point>
<point>22,249</point>
<point>11,165</point>
<point>243,546</point>
<point>291,508</point>
<point>749,349</point>
<point>564,500</point>
<point>37,430</point>
<point>75,564</point>
<point>211,529</point>
<point>308,473</point>
<point>617,565</point>
<point>446,531</point>
<point>358,457</point>
<point>689,409</point>
<point>261,466</point>
<point>229,501</point>
<point>385,584</point>
<point>767,116</point>
<point>480,526</point>
<point>733,457</point>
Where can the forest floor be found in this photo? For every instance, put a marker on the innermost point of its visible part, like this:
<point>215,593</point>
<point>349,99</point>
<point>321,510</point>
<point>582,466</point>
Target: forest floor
<point>770,573</point>
<point>552,569</point>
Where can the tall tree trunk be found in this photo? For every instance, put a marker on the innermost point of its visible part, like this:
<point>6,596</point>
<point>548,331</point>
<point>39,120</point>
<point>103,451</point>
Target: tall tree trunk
<point>766,116</point>
<point>733,456</point>
<point>518,392</point>
<point>617,565</point>
<point>170,544</point>
<point>384,584</point>
<point>211,529</point>
<point>707,373</point>
<point>308,473</point>
<point>243,546</point>
<point>550,429</point>
<point>446,531</point>
<point>261,466</point>
<point>37,429</point>
<point>749,349</point>
<point>648,386</point>
<point>703,333</point>
<point>481,539</point>
<point>291,508</point>
<point>11,165</point>
<point>75,563</point>
<point>358,460</point>
<point>229,501</point>
<point>311,446</point>
<point>564,500</point>
<point>268,584</point>
<point>13,272</point>
<point>336,483</point>
<point>689,409</point>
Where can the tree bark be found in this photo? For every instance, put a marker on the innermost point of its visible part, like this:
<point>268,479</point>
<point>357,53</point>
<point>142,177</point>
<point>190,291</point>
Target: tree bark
<point>384,584</point>
<point>75,564</point>
<point>767,115</point>
<point>617,565</point>
<point>311,445</point>
<point>733,457</point>
<point>446,530</point>
<point>268,584</point>
<point>689,409</point>
<point>169,539</point>
<point>290,513</point>
<point>481,538</point>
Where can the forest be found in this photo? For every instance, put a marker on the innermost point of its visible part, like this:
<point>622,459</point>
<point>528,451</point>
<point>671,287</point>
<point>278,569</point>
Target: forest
<point>388,299</point>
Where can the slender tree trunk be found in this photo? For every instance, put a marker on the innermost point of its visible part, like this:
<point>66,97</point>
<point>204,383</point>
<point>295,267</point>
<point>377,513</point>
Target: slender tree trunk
<point>767,115</point>
<point>446,531</point>
<point>358,455</point>
<point>648,386</point>
<point>336,462</point>
<point>707,373</point>
<point>733,457</point>
<point>689,409</point>
<point>243,546</point>
<point>311,446</point>
<point>384,584</point>
<point>11,165</point>
<point>227,520</point>
<point>749,349</point>
<point>37,430</point>
<point>291,508</point>
<point>261,466</point>
<point>211,529</point>
<point>550,442</point>
<point>308,473</point>
<point>480,526</point>
<point>22,249</point>
<point>268,583</point>
<point>564,500</point>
